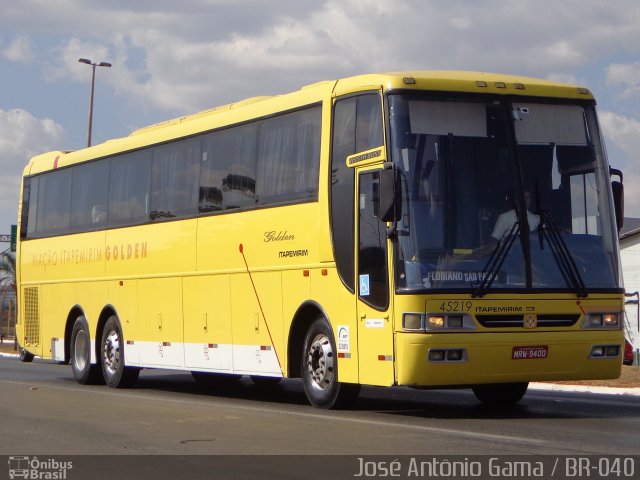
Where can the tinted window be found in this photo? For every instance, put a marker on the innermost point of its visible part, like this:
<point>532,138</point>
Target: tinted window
<point>228,177</point>
<point>289,147</point>
<point>53,202</point>
<point>129,188</point>
<point>369,123</point>
<point>372,261</point>
<point>174,179</point>
<point>29,204</point>
<point>357,126</point>
<point>262,163</point>
<point>342,186</point>
<point>89,195</point>
<point>265,162</point>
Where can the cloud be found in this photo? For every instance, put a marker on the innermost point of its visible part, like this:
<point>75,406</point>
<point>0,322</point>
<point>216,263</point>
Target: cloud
<point>624,133</point>
<point>21,136</point>
<point>63,62</point>
<point>190,55</point>
<point>172,58</point>
<point>20,49</point>
<point>627,75</point>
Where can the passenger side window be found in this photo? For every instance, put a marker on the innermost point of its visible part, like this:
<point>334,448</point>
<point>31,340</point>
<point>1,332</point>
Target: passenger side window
<point>89,195</point>
<point>174,179</point>
<point>129,188</point>
<point>53,203</point>
<point>289,147</point>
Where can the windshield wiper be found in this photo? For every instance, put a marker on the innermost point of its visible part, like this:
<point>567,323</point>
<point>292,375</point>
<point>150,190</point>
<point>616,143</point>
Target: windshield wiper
<point>561,254</point>
<point>497,258</point>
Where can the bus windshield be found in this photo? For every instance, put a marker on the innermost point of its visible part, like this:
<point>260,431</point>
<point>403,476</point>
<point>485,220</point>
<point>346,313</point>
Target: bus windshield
<point>499,195</point>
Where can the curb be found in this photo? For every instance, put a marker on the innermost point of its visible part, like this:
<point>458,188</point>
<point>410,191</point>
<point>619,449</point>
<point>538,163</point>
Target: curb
<point>553,387</point>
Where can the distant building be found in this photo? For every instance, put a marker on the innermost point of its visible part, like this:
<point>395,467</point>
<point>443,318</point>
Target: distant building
<point>630,257</point>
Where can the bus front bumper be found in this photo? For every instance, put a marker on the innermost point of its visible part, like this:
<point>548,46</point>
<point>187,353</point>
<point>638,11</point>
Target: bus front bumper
<point>458,359</point>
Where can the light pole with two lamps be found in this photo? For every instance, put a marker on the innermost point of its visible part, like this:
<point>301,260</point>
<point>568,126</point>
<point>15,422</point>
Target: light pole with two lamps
<point>93,79</point>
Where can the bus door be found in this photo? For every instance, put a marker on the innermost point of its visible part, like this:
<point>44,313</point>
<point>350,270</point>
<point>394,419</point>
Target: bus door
<point>375,325</point>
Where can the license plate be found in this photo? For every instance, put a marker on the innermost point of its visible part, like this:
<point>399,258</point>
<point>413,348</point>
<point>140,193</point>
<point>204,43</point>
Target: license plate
<point>529,353</point>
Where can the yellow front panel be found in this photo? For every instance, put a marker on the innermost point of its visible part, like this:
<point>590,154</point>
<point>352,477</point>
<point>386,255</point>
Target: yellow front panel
<point>490,358</point>
<point>489,349</point>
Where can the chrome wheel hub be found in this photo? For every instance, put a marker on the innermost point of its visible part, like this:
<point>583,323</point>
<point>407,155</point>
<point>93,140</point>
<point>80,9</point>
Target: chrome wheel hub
<point>111,350</point>
<point>320,362</point>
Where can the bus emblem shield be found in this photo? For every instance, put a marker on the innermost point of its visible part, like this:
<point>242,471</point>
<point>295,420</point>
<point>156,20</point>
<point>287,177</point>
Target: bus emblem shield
<point>530,320</point>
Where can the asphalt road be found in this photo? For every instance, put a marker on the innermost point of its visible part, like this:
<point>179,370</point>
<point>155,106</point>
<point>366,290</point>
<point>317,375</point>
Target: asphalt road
<point>44,411</point>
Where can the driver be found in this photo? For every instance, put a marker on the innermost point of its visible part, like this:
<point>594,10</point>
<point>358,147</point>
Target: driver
<point>506,220</point>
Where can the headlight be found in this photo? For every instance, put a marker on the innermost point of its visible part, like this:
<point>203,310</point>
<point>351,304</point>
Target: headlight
<point>412,322</point>
<point>602,320</point>
<point>436,321</point>
<point>610,319</point>
<point>433,322</point>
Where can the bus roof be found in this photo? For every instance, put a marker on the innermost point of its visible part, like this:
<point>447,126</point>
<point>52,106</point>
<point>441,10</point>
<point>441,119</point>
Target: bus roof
<point>255,107</point>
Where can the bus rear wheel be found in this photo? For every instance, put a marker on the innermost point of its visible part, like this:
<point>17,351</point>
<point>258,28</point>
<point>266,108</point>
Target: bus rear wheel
<point>115,373</point>
<point>83,370</point>
<point>501,394</point>
<point>25,356</point>
<point>319,367</point>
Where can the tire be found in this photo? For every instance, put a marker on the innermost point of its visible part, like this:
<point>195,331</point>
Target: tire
<point>114,370</point>
<point>319,369</point>
<point>25,356</point>
<point>501,394</point>
<point>84,372</point>
<point>261,381</point>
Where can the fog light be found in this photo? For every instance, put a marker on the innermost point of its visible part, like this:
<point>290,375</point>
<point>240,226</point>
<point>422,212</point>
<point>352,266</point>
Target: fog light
<point>454,355</point>
<point>612,351</point>
<point>436,355</point>
<point>412,321</point>
<point>436,322</point>
<point>454,321</point>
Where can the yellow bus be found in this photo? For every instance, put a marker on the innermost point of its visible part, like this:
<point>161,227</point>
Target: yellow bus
<point>422,229</point>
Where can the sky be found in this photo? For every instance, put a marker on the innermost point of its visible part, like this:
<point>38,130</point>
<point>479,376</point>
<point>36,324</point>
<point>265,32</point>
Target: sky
<point>172,58</point>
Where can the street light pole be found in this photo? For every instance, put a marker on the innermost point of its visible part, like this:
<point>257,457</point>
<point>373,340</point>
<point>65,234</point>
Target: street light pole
<point>93,80</point>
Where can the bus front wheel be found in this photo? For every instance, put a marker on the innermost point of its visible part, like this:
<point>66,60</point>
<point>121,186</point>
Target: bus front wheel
<point>83,370</point>
<point>115,373</point>
<point>319,367</point>
<point>501,394</point>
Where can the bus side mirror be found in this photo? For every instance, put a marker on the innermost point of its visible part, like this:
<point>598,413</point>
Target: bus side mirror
<point>617,189</point>
<point>387,207</point>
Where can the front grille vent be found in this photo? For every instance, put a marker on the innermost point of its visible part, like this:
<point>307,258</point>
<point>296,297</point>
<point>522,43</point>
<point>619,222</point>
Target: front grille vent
<point>515,321</point>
